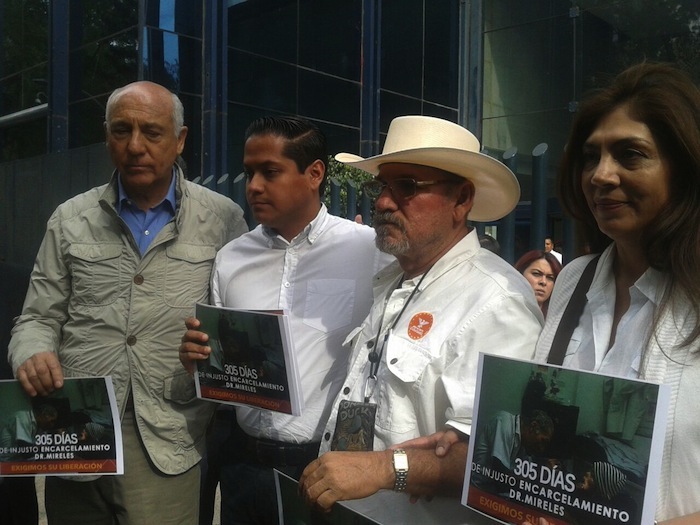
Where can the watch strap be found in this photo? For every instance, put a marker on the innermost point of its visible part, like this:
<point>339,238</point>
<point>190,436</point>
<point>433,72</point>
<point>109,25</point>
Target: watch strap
<point>400,470</point>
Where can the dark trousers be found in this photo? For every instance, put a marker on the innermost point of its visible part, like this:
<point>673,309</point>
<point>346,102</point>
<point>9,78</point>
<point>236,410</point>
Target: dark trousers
<point>248,491</point>
<point>18,504</point>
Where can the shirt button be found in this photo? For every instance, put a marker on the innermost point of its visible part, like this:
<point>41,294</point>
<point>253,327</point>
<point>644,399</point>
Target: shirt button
<point>370,344</point>
<point>138,279</point>
<point>327,436</point>
<point>286,285</point>
<point>393,361</point>
<point>346,390</point>
<point>147,232</point>
<point>131,340</point>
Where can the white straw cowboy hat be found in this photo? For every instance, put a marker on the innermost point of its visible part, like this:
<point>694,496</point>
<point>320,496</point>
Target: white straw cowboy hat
<point>430,141</point>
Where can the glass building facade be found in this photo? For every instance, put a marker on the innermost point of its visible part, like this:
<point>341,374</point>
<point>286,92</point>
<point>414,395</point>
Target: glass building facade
<point>511,71</point>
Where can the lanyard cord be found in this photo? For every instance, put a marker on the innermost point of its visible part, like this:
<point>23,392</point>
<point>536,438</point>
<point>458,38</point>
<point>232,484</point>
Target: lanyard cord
<point>375,357</point>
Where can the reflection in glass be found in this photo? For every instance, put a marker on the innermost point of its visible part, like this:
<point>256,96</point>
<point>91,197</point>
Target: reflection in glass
<point>99,67</point>
<point>334,47</point>
<point>85,122</point>
<point>262,82</point>
<point>329,98</point>
<point>24,27</point>
<point>93,20</point>
<point>23,140</point>
<point>265,28</point>
<point>24,90</point>
<point>176,16</point>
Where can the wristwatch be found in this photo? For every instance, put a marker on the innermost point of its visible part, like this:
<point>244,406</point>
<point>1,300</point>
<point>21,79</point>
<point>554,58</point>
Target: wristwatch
<point>400,469</point>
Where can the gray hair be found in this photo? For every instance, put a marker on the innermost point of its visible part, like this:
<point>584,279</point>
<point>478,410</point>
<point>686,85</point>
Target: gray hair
<point>178,108</point>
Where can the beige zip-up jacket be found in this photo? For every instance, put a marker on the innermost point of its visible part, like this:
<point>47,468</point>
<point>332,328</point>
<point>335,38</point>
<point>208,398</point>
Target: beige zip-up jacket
<point>108,311</point>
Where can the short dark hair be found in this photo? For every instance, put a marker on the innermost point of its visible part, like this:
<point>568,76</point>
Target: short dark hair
<point>305,142</point>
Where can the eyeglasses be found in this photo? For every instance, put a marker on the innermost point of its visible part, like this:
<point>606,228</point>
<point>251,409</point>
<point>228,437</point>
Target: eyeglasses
<point>404,188</point>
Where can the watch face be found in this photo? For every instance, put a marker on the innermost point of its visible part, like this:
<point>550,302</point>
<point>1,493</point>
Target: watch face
<point>400,461</point>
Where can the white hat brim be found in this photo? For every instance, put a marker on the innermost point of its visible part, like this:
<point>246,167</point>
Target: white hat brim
<point>496,189</point>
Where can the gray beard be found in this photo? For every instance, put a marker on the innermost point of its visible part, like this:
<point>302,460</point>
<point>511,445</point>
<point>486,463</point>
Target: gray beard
<point>383,241</point>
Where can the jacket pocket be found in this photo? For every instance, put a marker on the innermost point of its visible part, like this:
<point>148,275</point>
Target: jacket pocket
<point>95,273</point>
<point>187,274</point>
<point>329,304</point>
<point>179,388</point>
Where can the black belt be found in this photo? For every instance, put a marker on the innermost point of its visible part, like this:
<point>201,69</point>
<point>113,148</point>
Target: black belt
<point>280,454</point>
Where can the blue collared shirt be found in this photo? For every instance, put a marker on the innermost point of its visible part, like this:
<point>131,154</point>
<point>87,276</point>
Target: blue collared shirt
<point>145,225</point>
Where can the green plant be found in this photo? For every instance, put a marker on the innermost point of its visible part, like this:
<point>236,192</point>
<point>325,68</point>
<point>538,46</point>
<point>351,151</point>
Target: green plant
<point>342,179</point>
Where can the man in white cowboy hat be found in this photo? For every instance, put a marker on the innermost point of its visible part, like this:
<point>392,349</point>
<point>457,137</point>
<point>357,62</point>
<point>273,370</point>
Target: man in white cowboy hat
<point>414,361</point>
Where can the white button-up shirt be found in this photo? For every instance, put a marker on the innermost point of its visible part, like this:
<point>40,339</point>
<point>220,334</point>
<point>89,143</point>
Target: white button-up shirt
<point>589,348</point>
<point>323,280</point>
<point>470,301</point>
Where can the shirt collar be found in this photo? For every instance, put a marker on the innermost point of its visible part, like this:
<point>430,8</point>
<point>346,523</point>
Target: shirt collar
<point>169,200</point>
<point>310,233</point>
<point>652,283</point>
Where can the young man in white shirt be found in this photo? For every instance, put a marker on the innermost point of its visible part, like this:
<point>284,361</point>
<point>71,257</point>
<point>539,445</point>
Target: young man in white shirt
<point>315,266</point>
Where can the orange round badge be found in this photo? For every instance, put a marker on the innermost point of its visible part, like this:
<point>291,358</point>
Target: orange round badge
<point>419,325</point>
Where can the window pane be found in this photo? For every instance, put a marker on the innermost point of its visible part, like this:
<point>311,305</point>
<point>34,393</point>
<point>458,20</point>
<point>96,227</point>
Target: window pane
<point>178,16</point>
<point>433,110</point>
<point>402,46</point>
<point>393,105</point>
<point>262,82</point>
<point>24,28</point>
<point>341,139</point>
<point>100,67</point>
<point>23,54</point>
<point>506,13</point>
<point>173,61</point>
<point>239,119</point>
<point>525,132</point>
<point>24,90</point>
<point>93,20</point>
<point>193,145</point>
<point>267,28</point>
<point>617,35</point>
<point>329,98</point>
<point>538,77</point>
<point>441,52</point>
<point>330,36</point>
<point>85,122</point>
<point>27,139</point>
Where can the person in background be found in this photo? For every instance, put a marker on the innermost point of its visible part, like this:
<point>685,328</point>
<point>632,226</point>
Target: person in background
<point>541,270</point>
<point>549,248</point>
<point>490,243</point>
<point>414,359</point>
<point>119,269</point>
<point>631,175</point>
<point>302,259</point>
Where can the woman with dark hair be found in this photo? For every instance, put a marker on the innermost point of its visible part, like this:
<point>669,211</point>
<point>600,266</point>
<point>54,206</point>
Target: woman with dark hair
<point>631,175</point>
<point>540,268</point>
